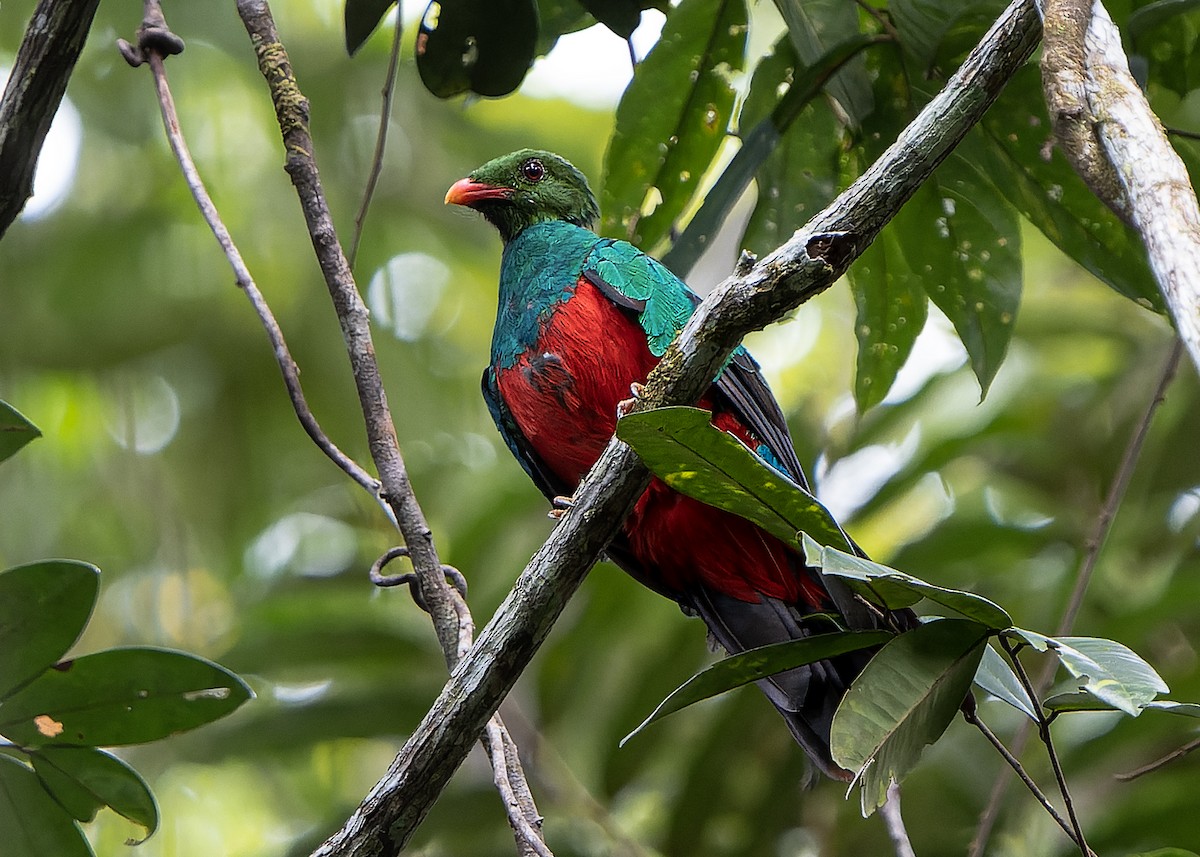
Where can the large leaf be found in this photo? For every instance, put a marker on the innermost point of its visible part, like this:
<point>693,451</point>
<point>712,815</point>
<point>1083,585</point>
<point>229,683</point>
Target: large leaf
<point>1112,672</point>
<point>997,678</point>
<point>672,119</point>
<point>1167,37</point>
<point>15,430</point>
<point>361,17</point>
<point>556,18</point>
<point>480,46</point>
<point>752,665</point>
<point>683,448</point>
<point>890,298</point>
<point>120,696</point>
<point>621,16</point>
<point>32,824</point>
<point>44,607</point>
<point>84,779</point>
<point>964,240</point>
<point>1046,190</point>
<point>901,590</point>
<point>904,699</point>
<point>923,24</point>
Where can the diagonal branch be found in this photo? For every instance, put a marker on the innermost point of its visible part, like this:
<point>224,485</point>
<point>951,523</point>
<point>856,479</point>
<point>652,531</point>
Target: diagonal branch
<point>806,265</point>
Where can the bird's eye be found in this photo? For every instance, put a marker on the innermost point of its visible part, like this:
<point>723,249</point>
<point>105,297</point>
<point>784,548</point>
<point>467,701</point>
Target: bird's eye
<point>533,170</point>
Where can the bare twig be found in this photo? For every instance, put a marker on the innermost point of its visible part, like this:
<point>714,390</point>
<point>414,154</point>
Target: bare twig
<point>1044,734</point>
<point>155,42</point>
<point>55,36</point>
<point>451,618</point>
<point>385,116</point>
<point>893,821</point>
<point>810,262</point>
<point>1177,753</point>
<point>1093,545</point>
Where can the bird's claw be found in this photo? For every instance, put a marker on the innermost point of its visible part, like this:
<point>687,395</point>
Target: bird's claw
<point>562,504</point>
<point>625,406</point>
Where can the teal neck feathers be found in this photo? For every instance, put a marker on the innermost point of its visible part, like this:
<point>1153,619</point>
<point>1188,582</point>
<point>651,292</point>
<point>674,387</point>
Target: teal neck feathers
<point>539,271</point>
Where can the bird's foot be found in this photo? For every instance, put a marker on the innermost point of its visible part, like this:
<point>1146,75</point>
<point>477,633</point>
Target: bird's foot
<point>625,406</point>
<point>562,504</point>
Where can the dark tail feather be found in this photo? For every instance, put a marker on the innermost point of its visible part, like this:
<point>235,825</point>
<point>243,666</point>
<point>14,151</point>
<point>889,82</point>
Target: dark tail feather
<point>807,696</point>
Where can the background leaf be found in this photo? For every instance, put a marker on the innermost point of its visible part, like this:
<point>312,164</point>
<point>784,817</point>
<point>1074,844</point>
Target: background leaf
<point>33,824</point>
<point>84,779</point>
<point>904,699</point>
<point>360,18</point>
<point>44,607</point>
<point>672,119</point>
<point>120,696</point>
<point>480,46</point>
<point>997,678</point>
<point>15,430</point>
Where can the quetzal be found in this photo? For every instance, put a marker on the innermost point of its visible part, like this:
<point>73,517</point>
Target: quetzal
<point>582,318</point>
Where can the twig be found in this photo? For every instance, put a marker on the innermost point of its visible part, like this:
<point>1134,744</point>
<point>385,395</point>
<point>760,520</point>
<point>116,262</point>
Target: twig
<point>385,115</point>
<point>1177,753</point>
<point>451,617</point>
<point>810,262</point>
<point>155,42</point>
<point>1093,545</point>
<point>1015,764</point>
<point>1044,734</point>
<point>893,821</point>
<point>52,43</point>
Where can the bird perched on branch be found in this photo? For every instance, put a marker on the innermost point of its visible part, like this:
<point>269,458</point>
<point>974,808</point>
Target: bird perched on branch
<point>582,318</point>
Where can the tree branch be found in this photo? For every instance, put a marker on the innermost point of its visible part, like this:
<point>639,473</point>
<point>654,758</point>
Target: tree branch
<point>806,265</point>
<point>1117,144</point>
<point>55,36</point>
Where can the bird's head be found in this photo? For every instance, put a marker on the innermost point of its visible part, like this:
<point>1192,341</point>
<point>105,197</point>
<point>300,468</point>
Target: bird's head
<point>527,187</point>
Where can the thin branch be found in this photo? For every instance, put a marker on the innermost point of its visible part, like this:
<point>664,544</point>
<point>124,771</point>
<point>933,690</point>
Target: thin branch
<point>806,265</point>
<point>52,43</point>
<point>385,116</point>
<point>447,608</point>
<point>893,822</point>
<point>1014,763</point>
<point>1044,734</point>
<point>152,36</point>
<point>1177,753</point>
<point>1093,545</point>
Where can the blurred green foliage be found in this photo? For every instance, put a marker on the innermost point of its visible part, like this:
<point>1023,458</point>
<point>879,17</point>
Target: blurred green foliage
<point>172,460</point>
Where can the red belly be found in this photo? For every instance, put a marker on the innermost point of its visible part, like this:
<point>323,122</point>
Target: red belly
<point>564,398</point>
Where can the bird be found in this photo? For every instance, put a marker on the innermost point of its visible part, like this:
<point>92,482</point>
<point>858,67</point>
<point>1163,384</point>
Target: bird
<point>581,320</point>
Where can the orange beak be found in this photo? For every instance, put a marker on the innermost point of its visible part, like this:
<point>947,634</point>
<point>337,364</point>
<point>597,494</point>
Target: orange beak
<point>467,191</point>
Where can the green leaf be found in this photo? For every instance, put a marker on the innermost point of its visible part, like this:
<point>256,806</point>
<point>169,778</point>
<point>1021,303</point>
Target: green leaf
<point>480,46</point>
<point>1184,709</point>
<point>683,448</point>
<point>1075,701</point>
<point>84,779</point>
<point>963,239</point>
<point>872,579</point>
<point>34,825</point>
<point>44,607</point>
<point>1166,852</point>
<point>816,26</point>
<point>904,698</point>
<point>361,17</point>
<point>890,298</point>
<point>1113,673</point>
<point>120,696</point>
<point>621,16</point>
<point>1040,642</point>
<point>1155,14</point>
<point>672,119</point>
<point>1167,37</point>
<point>15,430</point>
<point>1052,197</point>
<point>791,150</point>
<point>752,665</point>
<point>924,24</point>
<point>997,678</point>
<point>557,18</point>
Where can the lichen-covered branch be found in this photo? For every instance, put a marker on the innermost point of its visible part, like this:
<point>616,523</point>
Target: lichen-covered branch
<point>806,265</point>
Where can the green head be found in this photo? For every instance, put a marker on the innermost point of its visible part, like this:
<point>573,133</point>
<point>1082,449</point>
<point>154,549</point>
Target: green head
<point>524,188</point>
